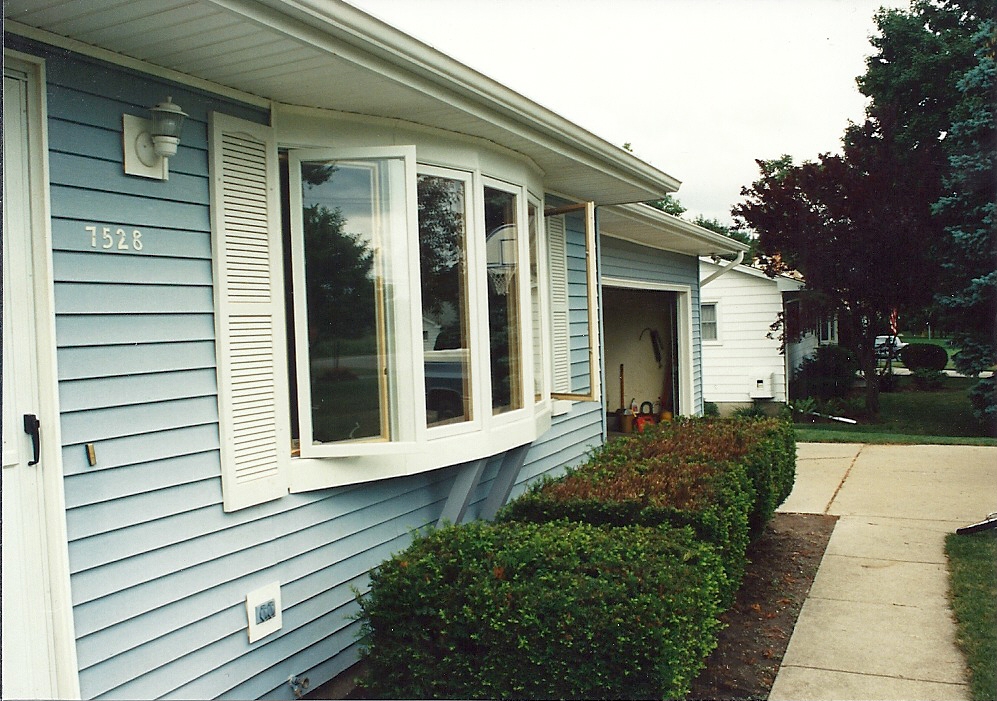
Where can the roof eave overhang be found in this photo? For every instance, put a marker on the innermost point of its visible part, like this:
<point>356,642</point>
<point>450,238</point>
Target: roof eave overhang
<point>337,31</point>
<point>647,226</point>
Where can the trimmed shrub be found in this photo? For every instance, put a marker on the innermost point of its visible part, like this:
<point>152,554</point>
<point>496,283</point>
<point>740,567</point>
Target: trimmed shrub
<point>829,372</point>
<point>555,610</point>
<point>927,380</point>
<point>722,477</point>
<point>924,356</point>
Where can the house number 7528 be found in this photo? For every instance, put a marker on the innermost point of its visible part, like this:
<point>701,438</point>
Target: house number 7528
<point>114,239</point>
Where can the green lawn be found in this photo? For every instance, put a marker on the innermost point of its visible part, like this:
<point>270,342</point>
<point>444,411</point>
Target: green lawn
<point>973,590</point>
<point>907,416</point>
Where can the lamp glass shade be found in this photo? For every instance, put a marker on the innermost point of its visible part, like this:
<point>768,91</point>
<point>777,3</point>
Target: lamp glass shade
<point>167,119</point>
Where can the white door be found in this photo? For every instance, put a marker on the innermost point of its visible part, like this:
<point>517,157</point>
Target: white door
<point>28,629</point>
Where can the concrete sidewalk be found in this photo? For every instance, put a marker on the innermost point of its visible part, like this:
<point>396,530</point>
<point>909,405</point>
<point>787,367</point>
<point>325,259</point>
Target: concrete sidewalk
<point>877,623</point>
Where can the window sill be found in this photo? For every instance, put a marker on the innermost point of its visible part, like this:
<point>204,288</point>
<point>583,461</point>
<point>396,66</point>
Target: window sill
<point>308,474</point>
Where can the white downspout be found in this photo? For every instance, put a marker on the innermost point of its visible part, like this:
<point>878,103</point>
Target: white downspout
<point>727,268</point>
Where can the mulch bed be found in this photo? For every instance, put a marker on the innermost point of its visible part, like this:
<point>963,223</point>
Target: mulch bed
<point>784,562</point>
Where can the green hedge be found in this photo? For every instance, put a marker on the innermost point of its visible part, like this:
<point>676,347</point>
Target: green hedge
<point>553,610</point>
<point>713,499</point>
<point>924,356</point>
<point>722,477</point>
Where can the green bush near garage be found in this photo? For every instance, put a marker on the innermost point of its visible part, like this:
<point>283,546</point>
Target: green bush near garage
<point>722,477</point>
<point>542,610</point>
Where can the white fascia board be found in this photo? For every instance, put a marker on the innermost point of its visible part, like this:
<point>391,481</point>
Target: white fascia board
<point>408,56</point>
<point>784,283</point>
<point>645,225</point>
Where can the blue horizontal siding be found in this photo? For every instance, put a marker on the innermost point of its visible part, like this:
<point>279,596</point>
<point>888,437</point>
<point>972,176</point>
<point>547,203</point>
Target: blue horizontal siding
<point>159,571</point>
<point>89,298</point>
<point>132,450</point>
<point>80,362</point>
<point>124,390</point>
<point>112,329</point>
<point>109,485</point>
<point>71,235</point>
<point>118,422</point>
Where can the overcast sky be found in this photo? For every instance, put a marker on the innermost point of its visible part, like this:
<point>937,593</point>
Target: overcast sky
<point>699,88</point>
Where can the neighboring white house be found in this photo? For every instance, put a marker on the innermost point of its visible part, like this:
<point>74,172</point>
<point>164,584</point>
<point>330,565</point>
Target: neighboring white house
<point>743,362</point>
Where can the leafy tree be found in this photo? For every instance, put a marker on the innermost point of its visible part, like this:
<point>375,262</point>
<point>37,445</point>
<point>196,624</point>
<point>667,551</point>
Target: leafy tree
<point>718,227</point>
<point>669,205</point>
<point>968,209</point>
<point>338,268</point>
<point>441,243</point>
<point>844,223</point>
<point>860,226</point>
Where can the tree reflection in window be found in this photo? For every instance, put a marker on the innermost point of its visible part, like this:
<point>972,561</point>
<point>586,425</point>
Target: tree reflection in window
<point>343,301</point>
<point>502,250</point>
<point>445,324</point>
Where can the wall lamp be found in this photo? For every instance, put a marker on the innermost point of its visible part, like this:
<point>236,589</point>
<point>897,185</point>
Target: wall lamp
<point>150,143</point>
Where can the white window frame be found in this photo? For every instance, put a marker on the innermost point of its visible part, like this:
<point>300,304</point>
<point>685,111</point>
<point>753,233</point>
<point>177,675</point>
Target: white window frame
<point>478,355</point>
<point>684,326</point>
<point>525,316</point>
<point>408,374</point>
<point>827,331</point>
<point>560,391</point>
<point>418,448</point>
<point>718,340</point>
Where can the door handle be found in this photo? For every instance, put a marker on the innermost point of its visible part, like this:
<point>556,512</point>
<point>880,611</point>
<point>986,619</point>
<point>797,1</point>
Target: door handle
<point>31,427</point>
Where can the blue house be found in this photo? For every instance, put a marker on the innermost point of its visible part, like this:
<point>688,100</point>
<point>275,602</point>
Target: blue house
<point>364,289</point>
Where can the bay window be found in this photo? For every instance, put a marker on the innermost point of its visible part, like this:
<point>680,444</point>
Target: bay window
<point>414,289</point>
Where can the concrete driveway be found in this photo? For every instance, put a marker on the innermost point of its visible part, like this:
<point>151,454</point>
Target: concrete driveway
<point>877,623</point>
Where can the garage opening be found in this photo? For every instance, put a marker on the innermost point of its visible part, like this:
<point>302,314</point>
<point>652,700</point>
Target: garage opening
<point>642,355</point>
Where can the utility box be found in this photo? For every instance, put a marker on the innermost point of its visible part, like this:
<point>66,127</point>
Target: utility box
<point>762,385</point>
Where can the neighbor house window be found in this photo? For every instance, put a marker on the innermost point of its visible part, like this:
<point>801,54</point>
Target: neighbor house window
<point>708,322</point>
<point>827,330</point>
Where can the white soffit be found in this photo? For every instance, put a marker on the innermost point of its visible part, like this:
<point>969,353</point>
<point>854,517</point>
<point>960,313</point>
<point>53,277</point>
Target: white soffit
<point>330,55</point>
<point>647,226</point>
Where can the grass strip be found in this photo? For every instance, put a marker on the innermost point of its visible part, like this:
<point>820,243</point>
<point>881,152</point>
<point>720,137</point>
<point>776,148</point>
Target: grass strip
<point>973,590</point>
<point>833,434</point>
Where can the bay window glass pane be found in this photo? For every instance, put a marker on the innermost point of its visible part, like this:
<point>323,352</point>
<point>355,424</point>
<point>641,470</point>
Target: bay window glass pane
<point>351,211</point>
<point>445,323</point>
<point>535,302</point>
<point>502,252</point>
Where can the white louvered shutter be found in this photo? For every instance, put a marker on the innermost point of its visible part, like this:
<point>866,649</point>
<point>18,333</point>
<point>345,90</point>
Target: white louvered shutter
<point>557,248</point>
<point>251,347</point>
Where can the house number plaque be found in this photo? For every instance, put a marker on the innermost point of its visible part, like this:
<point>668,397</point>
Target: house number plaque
<point>112,238</point>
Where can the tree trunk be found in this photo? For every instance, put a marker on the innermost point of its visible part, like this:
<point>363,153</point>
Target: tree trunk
<point>868,363</point>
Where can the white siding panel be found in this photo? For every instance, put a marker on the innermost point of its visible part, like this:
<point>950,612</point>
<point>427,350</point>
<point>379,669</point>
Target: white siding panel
<point>748,305</point>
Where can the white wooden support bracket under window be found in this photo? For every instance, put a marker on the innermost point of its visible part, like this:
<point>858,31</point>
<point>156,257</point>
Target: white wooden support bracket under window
<point>468,477</point>
<point>502,485</point>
